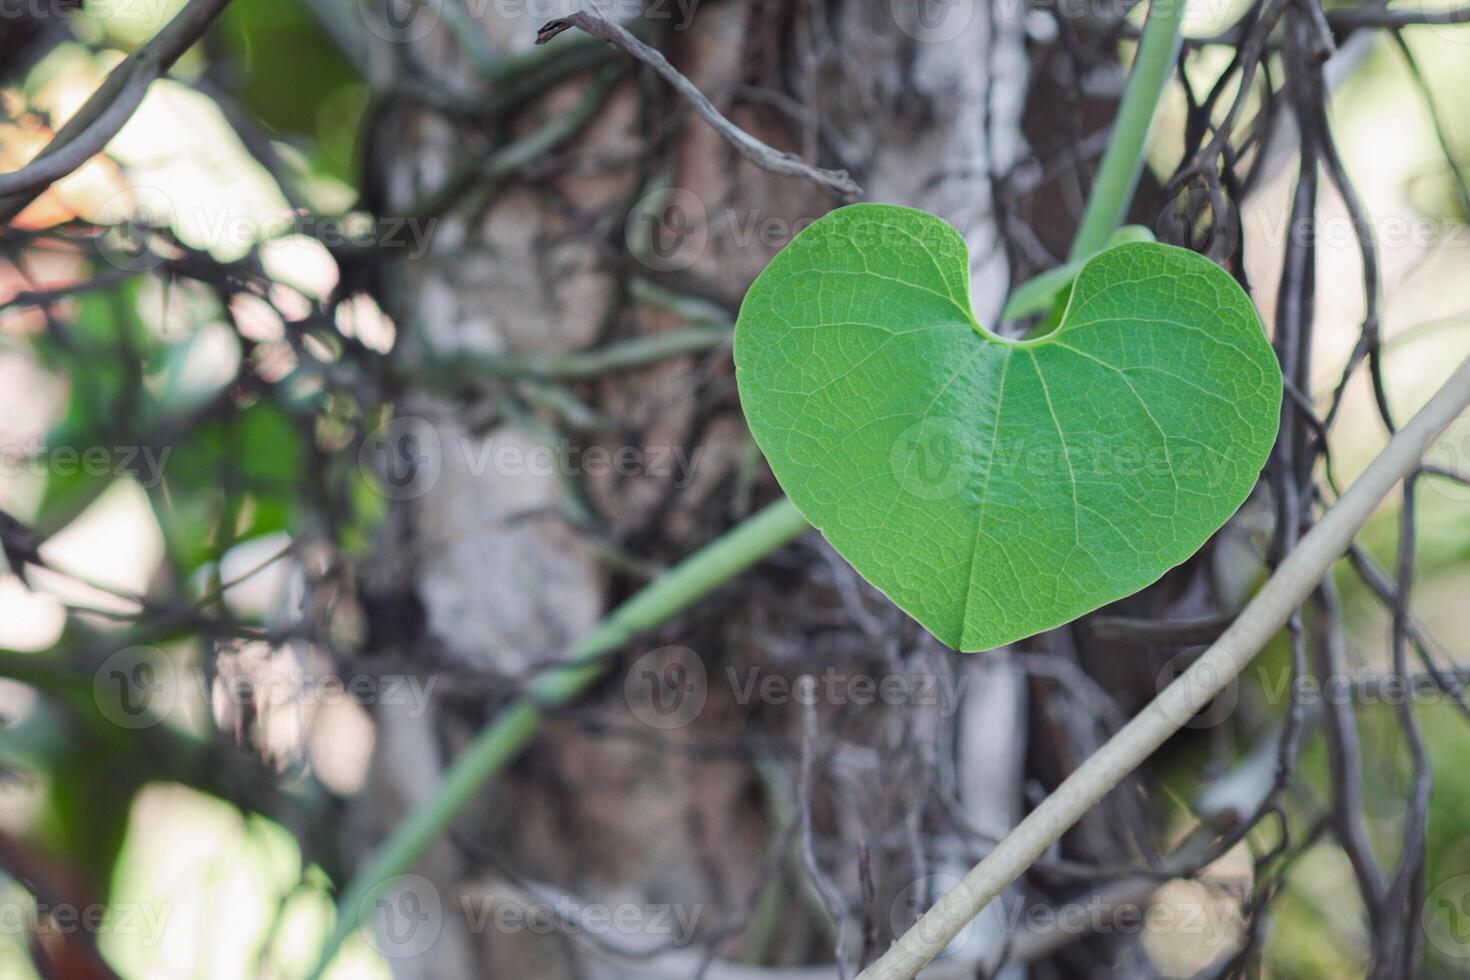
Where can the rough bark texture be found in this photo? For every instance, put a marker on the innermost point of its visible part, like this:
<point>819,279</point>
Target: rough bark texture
<point>508,577</point>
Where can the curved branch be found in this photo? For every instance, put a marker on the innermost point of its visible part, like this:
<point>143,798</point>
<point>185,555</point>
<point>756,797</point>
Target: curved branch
<point>54,164</point>
<point>110,107</point>
<point>1371,15</point>
<point>758,153</point>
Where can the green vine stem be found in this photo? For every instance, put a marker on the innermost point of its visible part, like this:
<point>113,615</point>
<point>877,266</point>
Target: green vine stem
<point>695,577</point>
<point>741,547</point>
<point>1122,163</point>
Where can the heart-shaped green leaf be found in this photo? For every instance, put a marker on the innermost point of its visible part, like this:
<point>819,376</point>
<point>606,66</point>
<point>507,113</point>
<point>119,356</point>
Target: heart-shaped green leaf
<point>997,488</point>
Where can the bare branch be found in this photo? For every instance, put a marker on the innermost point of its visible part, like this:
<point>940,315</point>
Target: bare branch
<point>824,886</point>
<point>1372,15</point>
<point>52,165</point>
<point>758,153</point>
<point>108,109</point>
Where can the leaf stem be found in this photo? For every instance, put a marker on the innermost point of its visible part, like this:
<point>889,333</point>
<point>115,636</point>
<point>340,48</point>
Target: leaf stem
<point>1298,575</point>
<point>495,746</point>
<point>1122,163</point>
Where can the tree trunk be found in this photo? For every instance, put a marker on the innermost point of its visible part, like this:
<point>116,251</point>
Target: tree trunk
<point>513,554</point>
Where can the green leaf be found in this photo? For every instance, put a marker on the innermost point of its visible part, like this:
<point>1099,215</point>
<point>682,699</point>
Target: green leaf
<point>997,488</point>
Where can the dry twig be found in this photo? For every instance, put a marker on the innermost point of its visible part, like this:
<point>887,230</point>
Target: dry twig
<point>758,153</point>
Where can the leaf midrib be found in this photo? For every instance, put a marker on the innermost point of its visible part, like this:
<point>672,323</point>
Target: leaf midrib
<point>984,495</point>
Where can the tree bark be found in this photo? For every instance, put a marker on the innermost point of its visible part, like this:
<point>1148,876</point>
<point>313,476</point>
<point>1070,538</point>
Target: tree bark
<point>512,561</point>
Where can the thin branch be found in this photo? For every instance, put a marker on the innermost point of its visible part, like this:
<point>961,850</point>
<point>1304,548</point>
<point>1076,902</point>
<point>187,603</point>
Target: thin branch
<point>54,164</point>
<point>828,891</point>
<point>1405,894</point>
<point>758,153</point>
<point>1345,758</point>
<point>1370,15</point>
<point>1161,632</point>
<point>1445,472</point>
<point>109,108</point>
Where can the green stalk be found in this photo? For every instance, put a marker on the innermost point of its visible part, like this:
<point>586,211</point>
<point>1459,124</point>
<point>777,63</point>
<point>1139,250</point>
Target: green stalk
<point>744,545</point>
<point>696,576</point>
<point>1039,293</point>
<point>1117,177</point>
